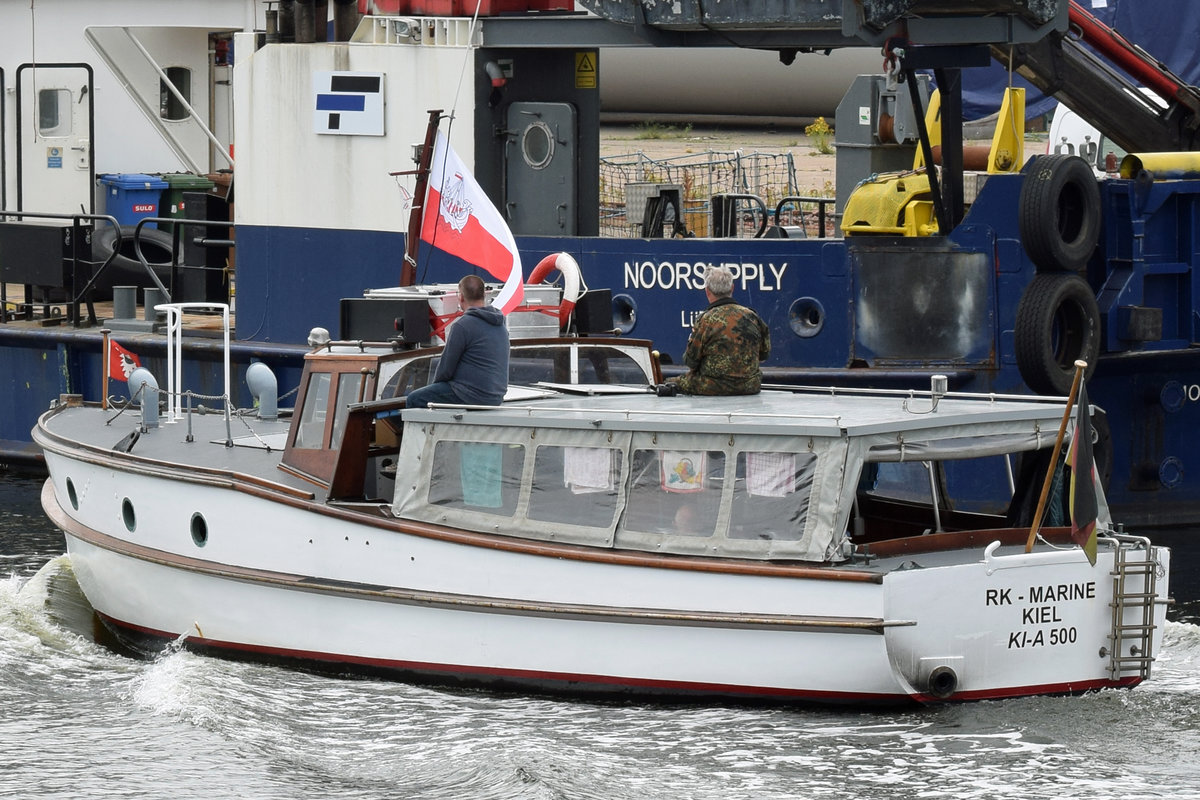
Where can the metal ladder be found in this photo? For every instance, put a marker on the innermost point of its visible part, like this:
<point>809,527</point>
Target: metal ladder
<point>1135,586</point>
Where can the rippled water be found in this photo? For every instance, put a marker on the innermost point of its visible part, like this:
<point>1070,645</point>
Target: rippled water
<point>77,720</point>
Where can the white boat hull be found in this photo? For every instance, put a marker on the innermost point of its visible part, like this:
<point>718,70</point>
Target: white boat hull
<point>278,581</point>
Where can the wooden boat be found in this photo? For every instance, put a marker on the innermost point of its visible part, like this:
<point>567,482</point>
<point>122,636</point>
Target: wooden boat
<point>600,538</point>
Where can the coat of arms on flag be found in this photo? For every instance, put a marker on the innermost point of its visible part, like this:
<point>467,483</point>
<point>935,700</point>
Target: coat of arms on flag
<point>121,362</point>
<point>459,219</point>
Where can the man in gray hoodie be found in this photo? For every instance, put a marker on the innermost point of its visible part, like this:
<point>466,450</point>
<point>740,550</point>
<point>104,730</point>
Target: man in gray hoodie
<point>474,365</point>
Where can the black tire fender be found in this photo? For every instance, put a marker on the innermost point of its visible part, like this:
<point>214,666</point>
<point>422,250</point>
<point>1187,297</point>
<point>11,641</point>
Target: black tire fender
<point>125,269</point>
<point>1058,321</point>
<point>1059,214</point>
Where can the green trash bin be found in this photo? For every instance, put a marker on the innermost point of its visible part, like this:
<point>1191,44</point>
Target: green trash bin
<point>172,197</point>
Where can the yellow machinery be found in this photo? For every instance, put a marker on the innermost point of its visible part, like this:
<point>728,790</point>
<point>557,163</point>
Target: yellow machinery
<point>901,204</point>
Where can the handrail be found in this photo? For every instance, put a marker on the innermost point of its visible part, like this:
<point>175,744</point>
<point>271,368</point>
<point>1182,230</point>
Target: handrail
<point>820,201</point>
<point>174,313</point>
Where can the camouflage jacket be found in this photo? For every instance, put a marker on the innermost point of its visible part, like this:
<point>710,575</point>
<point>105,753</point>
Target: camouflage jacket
<point>727,342</point>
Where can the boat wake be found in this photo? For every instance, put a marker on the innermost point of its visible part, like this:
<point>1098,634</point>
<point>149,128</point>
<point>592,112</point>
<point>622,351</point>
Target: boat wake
<point>46,611</point>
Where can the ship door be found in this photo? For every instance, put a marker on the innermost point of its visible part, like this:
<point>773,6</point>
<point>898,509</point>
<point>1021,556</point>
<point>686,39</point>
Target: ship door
<point>56,170</point>
<point>540,165</point>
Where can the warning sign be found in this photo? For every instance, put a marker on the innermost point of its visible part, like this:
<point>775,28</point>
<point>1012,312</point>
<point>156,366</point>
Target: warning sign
<point>585,70</point>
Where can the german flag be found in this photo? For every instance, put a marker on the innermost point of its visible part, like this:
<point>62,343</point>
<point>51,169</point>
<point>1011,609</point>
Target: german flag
<point>1084,504</point>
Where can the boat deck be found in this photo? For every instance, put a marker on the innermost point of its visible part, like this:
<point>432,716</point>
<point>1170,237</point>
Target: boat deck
<point>40,314</point>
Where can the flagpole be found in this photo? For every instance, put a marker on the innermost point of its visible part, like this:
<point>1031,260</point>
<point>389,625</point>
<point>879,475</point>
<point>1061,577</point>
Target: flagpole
<point>408,272</point>
<point>1080,366</point>
<point>106,357</point>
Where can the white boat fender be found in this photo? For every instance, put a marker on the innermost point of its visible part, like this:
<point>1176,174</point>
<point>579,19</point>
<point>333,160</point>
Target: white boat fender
<point>143,390</point>
<point>569,268</point>
<point>264,386</point>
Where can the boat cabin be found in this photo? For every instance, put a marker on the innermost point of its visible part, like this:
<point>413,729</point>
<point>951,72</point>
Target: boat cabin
<point>345,433</point>
<point>782,475</point>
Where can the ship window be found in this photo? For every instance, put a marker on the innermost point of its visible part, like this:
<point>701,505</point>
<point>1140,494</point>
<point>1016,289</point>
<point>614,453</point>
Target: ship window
<point>575,485</point>
<point>413,375</point>
<point>169,106</point>
<point>348,383</point>
<point>54,112</point>
<point>770,497</point>
<point>479,476</point>
<point>537,145</point>
<point>199,529</point>
<point>310,433</point>
<point>128,516</point>
<point>675,491</point>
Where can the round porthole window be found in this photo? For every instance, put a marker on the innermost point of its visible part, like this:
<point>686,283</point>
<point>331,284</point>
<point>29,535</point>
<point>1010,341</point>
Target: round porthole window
<point>199,530</point>
<point>537,145</point>
<point>128,516</point>
<point>71,495</point>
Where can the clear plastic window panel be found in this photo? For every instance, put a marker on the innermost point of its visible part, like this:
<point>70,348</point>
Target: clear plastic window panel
<point>575,485</point>
<point>675,491</point>
<point>479,476</point>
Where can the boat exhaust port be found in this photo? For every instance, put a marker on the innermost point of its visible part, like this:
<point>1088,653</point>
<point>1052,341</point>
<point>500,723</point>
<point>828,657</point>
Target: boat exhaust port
<point>942,682</point>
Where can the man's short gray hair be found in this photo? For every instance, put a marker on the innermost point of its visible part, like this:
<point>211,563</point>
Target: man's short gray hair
<point>719,280</point>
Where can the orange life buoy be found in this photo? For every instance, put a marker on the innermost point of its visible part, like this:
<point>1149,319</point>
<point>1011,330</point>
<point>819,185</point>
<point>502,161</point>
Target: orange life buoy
<point>569,268</point>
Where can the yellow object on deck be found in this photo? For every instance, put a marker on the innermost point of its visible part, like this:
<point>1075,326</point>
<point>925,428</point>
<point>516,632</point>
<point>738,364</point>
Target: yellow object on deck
<point>1162,165</point>
<point>897,204</point>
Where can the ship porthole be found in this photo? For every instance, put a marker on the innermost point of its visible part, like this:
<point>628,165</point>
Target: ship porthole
<point>128,516</point>
<point>537,145</point>
<point>199,530</point>
<point>71,494</point>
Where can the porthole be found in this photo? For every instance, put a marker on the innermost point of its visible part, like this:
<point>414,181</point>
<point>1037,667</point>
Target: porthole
<point>199,530</point>
<point>537,145</point>
<point>71,495</point>
<point>128,516</point>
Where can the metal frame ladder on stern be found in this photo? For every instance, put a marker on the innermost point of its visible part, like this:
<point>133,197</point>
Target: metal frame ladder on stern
<point>1132,647</point>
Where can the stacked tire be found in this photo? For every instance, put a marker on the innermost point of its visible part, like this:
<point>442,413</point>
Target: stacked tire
<point>1058,319</point>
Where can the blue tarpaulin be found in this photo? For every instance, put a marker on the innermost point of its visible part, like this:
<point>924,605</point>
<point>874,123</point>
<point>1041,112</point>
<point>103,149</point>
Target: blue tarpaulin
<point>1166,29</point>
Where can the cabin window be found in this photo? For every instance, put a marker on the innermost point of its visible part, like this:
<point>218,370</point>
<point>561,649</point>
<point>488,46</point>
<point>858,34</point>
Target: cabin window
<point>413,375</point>
<point>675,491</point>
<point>310,432</point>
<point>480,476</point>
<point>771,494</point>
<point>575,485</point>
<point>54,112</point>
<point>347,393</point>
<point>528,365</point>
<point>169,106</point>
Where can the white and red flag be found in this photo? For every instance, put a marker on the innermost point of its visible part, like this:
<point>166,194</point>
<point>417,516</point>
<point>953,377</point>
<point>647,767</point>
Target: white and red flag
<point>461,220</point>
<point>121,362</point>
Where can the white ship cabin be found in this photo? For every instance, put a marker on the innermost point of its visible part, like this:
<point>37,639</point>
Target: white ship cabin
<point>779,475</point>
<point>345,433</point>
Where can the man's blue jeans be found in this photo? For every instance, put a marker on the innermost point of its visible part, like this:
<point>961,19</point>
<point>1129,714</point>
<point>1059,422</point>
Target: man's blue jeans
<point>439,392</point>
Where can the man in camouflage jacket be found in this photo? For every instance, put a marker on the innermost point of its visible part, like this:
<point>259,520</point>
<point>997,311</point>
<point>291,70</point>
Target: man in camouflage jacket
<point>728,340</point>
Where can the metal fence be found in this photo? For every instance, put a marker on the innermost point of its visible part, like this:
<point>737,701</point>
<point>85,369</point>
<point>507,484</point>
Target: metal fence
<point>631,182</point>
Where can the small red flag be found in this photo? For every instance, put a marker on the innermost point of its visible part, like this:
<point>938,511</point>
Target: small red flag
<point>121,362</point>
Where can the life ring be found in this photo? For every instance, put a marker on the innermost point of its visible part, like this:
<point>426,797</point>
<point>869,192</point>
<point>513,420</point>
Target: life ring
<point>1059,218</point>
<point>1058,322</point>
<point>569,269</point>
